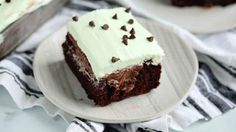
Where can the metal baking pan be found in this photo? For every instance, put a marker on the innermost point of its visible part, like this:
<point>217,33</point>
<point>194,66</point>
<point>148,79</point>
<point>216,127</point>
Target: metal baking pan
<point>17,32</point>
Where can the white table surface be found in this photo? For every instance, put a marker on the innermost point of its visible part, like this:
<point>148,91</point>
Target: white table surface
<point>12,119</point>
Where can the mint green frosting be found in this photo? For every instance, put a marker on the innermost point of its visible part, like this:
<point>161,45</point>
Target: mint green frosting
<point>10,12</point>
<point>101,45</point>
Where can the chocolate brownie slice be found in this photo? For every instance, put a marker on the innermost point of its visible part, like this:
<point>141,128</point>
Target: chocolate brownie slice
<point>112,69</point>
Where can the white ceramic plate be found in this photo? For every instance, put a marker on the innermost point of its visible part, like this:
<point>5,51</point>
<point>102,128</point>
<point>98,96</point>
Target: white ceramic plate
<point>61,87</point>
<point>194,19</point>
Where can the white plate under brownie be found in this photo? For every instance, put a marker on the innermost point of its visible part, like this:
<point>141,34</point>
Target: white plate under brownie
<point>194,19</point>
<point>61,87</point>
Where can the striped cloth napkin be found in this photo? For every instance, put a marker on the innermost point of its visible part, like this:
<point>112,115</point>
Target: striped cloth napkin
<point>214,92</point>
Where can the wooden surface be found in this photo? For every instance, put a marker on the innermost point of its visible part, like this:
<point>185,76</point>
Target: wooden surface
<point>18,31</point>
<point>61,87</point>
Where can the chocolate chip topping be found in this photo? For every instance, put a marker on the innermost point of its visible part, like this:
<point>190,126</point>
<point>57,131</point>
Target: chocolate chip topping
<point>132,31</point>
<point>123,28</point>
<point>114,59</point>
<point>127,10</point>
<point>149,61</point>
<point>150,39</point>
<point>125,37</point>
<point>105,27</point>
<point>125,41</point>
<point>91,24</point>
<point>115,16</point>
<point>132,36</point>
<point>0,4</point>
<point>131,21</point>
<point>75,18</point>
<point>8,1</point>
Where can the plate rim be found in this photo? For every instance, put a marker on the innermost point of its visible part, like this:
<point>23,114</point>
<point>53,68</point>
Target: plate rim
<point>91,118</point>
<point>194,30</point>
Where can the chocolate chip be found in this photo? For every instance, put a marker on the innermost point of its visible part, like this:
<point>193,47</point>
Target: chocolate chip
<point>105,27</point>
<point>125,37</point>
<point>8,1</point>
<point>150,39</point>
<point>131,21</point>
<point>149,61</point>
<point>132,36</point>
<point>123,28</point>
<point>91,24</point>
<point>127,10</point>
<point>75,18</point>
<point>132,31</point>
<point>115,16</point>
<point>114,59</point>
<point>0,4</point>
<point>125,41</point>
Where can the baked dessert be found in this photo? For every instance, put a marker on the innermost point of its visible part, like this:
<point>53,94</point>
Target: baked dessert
<point>204,3</point>
<point>112,55</point>
<point>12,10</point>
<point>20,18</point>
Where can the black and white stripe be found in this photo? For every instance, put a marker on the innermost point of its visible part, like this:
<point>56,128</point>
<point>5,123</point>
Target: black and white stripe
<point>140,129</point>
<point>85,125</point>
<point>20,61</point>
<point>217,96</point>
<point>88,123</point>
<point>230,69</point>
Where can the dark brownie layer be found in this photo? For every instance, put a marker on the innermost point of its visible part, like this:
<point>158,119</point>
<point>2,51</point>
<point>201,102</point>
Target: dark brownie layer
<point>116,86</point>
<point>204,3</point>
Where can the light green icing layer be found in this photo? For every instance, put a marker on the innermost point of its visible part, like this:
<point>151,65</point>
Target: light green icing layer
<point>10,12</point>
<point>101,45</point>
